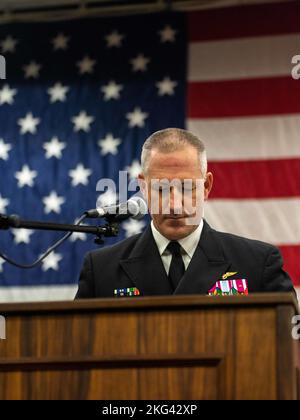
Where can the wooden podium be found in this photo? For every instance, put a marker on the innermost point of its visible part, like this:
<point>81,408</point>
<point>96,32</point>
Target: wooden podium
<point>174,347</point>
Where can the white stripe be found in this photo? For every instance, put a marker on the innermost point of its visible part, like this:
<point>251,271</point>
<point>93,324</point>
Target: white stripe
<point>274,137</point>
<point>298,294</point>
<point>275,221</point>
<point>263,56</point>
<point>37,293</point>
<point>224,286</point>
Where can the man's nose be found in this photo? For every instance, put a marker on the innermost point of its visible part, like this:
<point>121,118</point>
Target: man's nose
<point>176,201</point>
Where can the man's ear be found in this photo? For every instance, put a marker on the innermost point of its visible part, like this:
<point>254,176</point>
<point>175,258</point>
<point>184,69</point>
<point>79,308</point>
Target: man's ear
<point>209,180</point>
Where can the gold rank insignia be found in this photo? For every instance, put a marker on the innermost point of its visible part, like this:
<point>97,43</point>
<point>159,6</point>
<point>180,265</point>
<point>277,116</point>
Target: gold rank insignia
<point>228,274</point>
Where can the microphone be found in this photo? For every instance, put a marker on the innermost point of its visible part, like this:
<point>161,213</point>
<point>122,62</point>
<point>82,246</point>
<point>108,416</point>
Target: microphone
<point>135,207</point>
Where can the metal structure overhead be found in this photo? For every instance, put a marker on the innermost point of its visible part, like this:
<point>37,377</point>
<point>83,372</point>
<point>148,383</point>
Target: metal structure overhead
<point>37,10</point>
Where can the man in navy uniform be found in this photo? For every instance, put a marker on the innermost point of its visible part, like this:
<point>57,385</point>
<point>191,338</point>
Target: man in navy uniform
<point>179,253</point>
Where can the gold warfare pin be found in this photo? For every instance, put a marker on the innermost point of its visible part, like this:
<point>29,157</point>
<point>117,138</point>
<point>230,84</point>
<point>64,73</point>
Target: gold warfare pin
<point>229,274</point>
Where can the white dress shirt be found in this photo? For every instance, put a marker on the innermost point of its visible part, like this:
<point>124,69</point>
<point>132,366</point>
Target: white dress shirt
<point>188,245</point>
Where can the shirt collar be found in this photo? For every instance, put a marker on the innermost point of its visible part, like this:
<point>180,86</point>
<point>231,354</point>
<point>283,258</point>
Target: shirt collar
<point>189,243</point>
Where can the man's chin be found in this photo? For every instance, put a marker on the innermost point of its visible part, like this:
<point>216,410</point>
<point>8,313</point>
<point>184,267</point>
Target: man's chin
<point>175,222</point>
<point>176,228</point>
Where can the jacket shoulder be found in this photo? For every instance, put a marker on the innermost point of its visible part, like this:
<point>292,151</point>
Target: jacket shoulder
<point>243,245</point>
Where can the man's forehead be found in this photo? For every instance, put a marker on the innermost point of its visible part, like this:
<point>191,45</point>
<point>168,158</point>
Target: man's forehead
<point>178,159</point>
<point>175,181</point>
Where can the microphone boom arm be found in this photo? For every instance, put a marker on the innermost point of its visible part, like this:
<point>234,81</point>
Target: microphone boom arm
<point>15,222</point>
<point>110,229</point>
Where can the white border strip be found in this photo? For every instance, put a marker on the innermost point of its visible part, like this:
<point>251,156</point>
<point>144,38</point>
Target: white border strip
<point>37,293</point>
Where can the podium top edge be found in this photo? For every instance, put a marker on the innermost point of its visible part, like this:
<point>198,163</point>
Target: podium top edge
<point>154,302</point>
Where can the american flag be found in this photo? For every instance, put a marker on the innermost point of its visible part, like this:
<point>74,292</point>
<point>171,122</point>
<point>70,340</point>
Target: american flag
<point>79,100</point>
<point>81,97</point>
<point>243,101</point>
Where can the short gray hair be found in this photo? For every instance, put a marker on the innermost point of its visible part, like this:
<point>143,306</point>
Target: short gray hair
<point>172,139</point>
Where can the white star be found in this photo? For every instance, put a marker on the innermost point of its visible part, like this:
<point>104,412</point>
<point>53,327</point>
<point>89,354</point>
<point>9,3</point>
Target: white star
<point>22,235</point>
<point>167,34</point>
<point>4,202</point>
<point>81,236</point>
<point>133,227</point>
<point>25,177</point>
<point>108,198</point>
<point>139,63</point>
<point>114,39</point>
<point>166,87</point>
<point>109,145</point>
<point>28,123</point>
<point>82,121</point>
<point>78,236</point>
<point>58,92</point>
<point>136,117</point>
<point>2,261</point>
<point>111,90</point>
<point>80,175</point>
<point>51,262</point>
<point>4,149</point>
<point>32,70</point>
<point>7,95</point>
<point>53,203</point>
<point>54,148</point>
<point>60,42</point>
<point>86,65</point>
<point>134,169</point>
<point>8,44</point>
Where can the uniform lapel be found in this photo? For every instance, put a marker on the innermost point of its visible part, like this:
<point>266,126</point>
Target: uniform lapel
<point>145,268</point>
<point>207,265</point>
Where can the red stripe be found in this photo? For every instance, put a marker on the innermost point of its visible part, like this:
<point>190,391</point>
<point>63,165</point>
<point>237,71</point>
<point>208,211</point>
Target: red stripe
<point>291,258</point>
<point>236,22</point>
<point>256,179</point>
<point>265,96</point>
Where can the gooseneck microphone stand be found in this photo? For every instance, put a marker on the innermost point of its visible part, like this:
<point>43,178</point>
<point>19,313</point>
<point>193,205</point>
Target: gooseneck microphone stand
<point>6,222</point>
<point>110,229</point>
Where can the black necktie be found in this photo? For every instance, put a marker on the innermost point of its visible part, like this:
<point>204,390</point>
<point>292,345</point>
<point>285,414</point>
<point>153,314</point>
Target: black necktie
<point>177,268</point>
